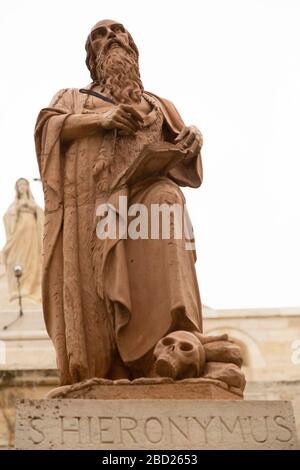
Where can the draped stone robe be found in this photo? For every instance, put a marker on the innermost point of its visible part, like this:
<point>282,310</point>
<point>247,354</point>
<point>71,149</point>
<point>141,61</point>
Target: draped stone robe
<point>103,296</point>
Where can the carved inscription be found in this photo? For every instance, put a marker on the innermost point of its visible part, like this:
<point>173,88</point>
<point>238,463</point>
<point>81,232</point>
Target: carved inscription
<point>152,426</point>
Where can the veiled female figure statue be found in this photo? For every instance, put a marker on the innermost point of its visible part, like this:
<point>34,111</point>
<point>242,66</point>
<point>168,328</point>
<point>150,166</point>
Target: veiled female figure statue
<point>23,223</point>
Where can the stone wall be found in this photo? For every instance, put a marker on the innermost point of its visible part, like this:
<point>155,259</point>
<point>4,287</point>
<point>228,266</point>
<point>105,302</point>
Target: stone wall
<point>15,385</point>
<point>268,337</point>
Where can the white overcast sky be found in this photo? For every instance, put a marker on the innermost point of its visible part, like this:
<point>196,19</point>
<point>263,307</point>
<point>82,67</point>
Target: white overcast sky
<point>233,69</point>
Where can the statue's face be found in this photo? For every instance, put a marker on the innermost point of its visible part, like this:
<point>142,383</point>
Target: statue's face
<point>22,187</point>
<point>106,33</point>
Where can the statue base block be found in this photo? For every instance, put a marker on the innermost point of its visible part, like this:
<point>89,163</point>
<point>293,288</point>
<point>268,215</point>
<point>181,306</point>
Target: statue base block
<point>180,420</point>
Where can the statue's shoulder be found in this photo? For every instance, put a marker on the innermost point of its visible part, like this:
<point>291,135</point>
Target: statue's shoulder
<point>64,96</point>
<point>163,101</point>
<point>169,110</point>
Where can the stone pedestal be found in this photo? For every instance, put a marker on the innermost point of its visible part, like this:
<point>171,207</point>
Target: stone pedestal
<point>153,416</point>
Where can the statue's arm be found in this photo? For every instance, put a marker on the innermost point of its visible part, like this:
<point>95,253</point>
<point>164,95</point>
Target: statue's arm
<point>10,222</point>
<point>186,137</point>
<point>189,172</point>
<point>122,117</point>
<point>190,139</point>
<point>78,126</point>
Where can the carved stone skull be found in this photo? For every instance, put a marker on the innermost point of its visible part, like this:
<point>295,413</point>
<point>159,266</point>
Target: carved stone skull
<point>179,355</point>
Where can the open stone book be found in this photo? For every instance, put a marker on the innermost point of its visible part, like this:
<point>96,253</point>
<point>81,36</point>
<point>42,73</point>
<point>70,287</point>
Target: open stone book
<point>154,160</point>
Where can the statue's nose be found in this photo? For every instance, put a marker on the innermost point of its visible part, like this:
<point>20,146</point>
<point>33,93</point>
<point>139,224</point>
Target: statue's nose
<point>111,35</point>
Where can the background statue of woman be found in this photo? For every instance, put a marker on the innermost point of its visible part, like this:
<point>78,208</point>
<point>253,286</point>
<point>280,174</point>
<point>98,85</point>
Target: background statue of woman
<point>23,225</point>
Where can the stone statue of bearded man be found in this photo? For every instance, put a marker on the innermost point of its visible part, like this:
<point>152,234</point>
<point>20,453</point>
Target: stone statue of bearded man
<point>108,302</point>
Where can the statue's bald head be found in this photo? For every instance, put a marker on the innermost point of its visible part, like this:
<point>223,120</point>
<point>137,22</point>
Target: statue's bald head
<point>102,35</point>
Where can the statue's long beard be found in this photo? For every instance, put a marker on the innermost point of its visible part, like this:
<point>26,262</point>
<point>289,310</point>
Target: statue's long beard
<point>118,74</point>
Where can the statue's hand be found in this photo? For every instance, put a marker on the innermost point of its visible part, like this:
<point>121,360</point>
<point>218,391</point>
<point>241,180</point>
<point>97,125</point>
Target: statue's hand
<point>190,138</point>
<point>123,117</point>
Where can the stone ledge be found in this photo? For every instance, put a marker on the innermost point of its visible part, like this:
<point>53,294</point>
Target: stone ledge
<point>154,388</point>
